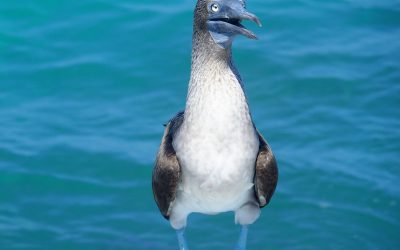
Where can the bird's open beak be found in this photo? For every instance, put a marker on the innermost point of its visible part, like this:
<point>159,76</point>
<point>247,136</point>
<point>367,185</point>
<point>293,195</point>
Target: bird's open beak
<point>226,23</point>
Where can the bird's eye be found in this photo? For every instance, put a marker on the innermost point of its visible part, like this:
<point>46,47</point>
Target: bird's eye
<point>243,3</point>
<point>214,7</point>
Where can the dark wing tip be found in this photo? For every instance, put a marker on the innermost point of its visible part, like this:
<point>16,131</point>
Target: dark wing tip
<point>166,173</point>
<point>266,174</point>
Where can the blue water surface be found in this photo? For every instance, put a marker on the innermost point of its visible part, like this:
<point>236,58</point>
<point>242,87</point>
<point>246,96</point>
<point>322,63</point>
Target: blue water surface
<point>85,87</point>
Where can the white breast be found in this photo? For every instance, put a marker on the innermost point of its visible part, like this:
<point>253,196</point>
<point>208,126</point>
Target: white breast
<point>216,146</point>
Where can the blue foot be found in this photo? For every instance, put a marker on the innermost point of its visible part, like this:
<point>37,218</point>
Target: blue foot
<point>181,239</point>
<point>241,245</point>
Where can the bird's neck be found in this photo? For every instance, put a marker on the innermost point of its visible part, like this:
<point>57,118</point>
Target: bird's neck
<point>206,54</point>
<point>215,85</point>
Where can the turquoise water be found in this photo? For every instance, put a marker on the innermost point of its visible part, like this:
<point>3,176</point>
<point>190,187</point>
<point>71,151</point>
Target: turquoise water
<point>85,87</point>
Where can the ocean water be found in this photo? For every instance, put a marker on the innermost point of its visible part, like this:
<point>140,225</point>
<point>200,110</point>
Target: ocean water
<point>85,87</point>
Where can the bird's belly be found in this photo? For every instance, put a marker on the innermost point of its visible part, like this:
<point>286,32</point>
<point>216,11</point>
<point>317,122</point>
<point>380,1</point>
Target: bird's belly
<point>212,199</point>
<point>217,171</point>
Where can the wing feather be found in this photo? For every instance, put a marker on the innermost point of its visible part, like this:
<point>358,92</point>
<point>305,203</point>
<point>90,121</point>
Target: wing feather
<point>167,171</point>
<point>266,173</point>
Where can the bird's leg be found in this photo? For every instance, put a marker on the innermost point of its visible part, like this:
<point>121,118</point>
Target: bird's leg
<point>241,245</point>
<point>181,239</point>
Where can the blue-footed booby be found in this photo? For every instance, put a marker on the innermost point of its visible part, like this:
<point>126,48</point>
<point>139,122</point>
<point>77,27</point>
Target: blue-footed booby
<point>212,159</point>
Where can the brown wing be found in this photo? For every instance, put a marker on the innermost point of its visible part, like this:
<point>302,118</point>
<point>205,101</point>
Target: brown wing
<point>266,174</point>
<point>167,171</point>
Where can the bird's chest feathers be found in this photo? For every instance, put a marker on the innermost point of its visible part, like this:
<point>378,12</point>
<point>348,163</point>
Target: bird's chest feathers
<point>217,142</point>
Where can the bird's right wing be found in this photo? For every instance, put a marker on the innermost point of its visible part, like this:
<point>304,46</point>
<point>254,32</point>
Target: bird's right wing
<point>167,171</point>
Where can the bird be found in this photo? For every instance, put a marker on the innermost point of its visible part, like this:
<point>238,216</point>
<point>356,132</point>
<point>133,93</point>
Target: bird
<point>212,159</point>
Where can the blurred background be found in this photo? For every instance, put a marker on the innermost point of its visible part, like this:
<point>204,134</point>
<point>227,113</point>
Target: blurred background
<point>85,87</point>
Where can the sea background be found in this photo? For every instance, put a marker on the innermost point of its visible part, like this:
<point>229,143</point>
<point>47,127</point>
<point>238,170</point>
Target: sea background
<point>86,86</point>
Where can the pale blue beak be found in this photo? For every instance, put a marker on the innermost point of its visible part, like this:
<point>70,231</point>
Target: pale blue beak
<point>224,21</point>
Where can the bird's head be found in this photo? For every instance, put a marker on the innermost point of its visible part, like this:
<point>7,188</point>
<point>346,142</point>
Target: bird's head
<point>222,19</point>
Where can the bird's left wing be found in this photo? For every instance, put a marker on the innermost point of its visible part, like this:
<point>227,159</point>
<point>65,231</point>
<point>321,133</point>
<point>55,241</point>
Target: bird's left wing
<point>266,173</point>
<point>167,171</point>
